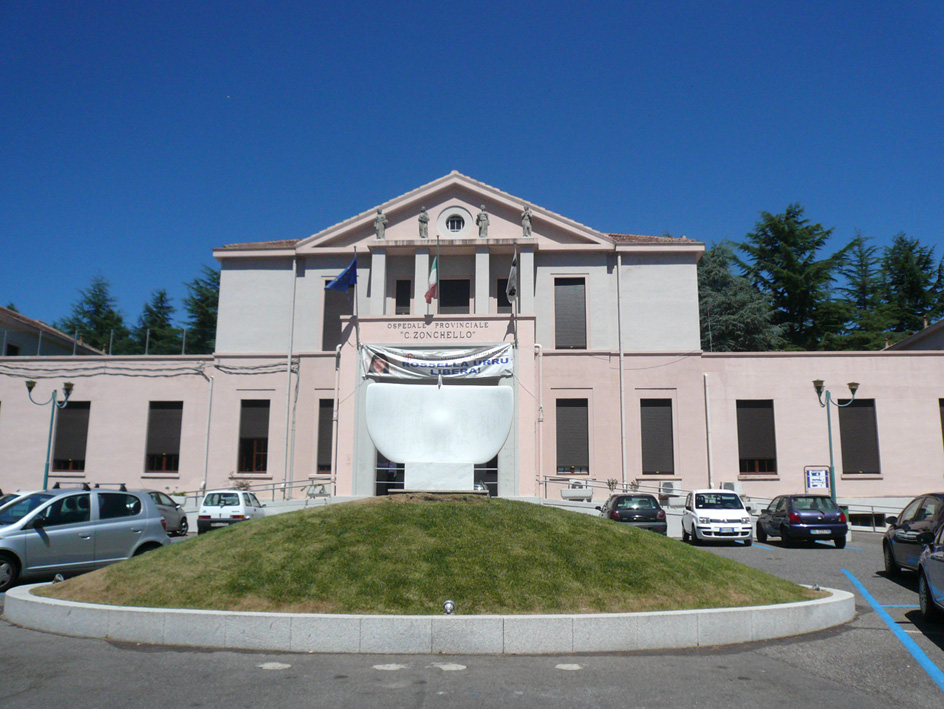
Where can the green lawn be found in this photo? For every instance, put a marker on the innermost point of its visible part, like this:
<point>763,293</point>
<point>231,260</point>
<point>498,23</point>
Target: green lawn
<point>407,554</point>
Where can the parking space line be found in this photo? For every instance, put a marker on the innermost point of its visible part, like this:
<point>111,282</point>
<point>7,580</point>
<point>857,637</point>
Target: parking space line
<point>917,653</point>
<point>902,605</point>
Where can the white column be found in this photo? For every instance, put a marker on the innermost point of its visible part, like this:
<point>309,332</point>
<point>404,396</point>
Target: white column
<point>420,280</point>
<point>526,279</point>
<point>482,278</point>
<point>378,281</point>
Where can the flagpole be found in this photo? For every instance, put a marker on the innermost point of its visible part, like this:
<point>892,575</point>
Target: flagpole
<point>514,307</point>
<point>357,322</point>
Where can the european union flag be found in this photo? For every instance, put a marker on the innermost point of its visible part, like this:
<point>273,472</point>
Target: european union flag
<point>347,278</point>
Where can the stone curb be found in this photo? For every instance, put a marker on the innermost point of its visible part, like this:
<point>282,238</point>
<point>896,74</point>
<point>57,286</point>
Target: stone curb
<point>426,634</point>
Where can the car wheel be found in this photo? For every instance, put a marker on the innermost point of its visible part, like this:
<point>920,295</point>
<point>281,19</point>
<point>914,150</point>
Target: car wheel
<point>892,569</point>
<point>785,537</point>
<point>929,611</point>
<point>840,542</point>
<point>695,539</point>
<point>761,534</point>
<point>184,527</point>
<point>748,542</point>
<point>685,536</point>
<point>9,572</point>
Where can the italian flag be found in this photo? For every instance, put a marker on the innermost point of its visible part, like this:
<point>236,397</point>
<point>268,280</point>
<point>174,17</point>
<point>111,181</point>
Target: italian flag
<point>433,281</point>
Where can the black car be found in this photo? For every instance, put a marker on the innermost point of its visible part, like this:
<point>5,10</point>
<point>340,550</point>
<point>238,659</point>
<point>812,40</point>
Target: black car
<point>803,518</point>
<point>638,509</point>
<point>911,531</point>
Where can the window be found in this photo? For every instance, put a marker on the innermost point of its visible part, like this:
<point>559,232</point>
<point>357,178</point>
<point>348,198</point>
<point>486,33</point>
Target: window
<point>336,305</point>
<point>402,297</point>
<point>163,437</point>
<point>12,350</point>
<point>573,439</point>
<point>658,451</point>
<point>570,314</point>
<point>757,446</point>
<point>454,296</point>
<point>71,437</point>
<point>858,434</point>
<point>455,223</point>
<point>486,475</point>
<point>325,434</point>
<point>112,505</point>
<point>253,436</point>
<point>66,510</point>
<point>504,305</point>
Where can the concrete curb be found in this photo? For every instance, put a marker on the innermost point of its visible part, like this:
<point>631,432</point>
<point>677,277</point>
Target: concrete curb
<point>427,634</point>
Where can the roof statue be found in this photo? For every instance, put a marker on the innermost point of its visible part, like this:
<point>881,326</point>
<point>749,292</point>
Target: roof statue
<point>482,221</point>
<point>380,224</point>
<point>526,221</point>
<point>424,223</point>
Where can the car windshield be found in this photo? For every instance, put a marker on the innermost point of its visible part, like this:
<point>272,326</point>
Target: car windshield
<point>17,510</point>
<point>636,502</point>
<point>817,503</point>
<point>221,499</point>
<point>718,501</point>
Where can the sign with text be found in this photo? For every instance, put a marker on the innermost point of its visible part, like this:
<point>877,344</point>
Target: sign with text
<point>817,477</point>
<point>378,362</point>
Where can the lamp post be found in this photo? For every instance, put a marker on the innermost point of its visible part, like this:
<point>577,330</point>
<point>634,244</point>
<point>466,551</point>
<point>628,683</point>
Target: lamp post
<point>820,389</point>
<point>66,391</point>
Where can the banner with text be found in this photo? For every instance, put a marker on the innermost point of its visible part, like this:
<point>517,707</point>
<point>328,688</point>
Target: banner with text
<point>460,363</point>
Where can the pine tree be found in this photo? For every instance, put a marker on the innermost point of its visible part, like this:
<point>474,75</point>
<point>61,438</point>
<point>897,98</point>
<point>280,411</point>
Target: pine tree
<point>868,320</point>
<point>909,276</point>
<point>783,265</point>
<point>201,306</point>
<point>96,319</point>
<point>155,333</point>
<point>735,317</point>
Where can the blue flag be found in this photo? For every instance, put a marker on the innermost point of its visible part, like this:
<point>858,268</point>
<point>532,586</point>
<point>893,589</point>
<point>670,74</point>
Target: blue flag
<point>347,278</point>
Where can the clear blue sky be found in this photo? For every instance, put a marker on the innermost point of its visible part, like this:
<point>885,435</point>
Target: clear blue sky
<point>136,136</point>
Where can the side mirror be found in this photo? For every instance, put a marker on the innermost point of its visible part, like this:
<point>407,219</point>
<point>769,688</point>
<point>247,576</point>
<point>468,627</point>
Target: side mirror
<point>598,508</point>
<point>748,508</point>
<point>765,511</point>
<point>177,507</point>
<point>38,523</point>
<point>892,520</point>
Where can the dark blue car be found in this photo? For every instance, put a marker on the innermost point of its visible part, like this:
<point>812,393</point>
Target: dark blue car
<point>803,518</point>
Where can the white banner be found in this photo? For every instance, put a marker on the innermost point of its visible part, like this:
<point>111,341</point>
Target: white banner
<point>459,363</point>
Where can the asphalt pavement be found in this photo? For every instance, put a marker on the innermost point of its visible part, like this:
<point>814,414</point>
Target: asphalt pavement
<point>864,664</point>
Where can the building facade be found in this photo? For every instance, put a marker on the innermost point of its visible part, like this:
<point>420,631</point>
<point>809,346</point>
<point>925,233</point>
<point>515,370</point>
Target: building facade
<point>588,367</point>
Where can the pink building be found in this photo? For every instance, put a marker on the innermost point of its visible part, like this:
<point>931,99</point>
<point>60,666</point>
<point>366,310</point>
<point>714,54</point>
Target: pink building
<point>594,371</point>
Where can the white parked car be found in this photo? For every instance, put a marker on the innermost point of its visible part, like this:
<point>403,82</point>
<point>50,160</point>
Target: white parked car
<point>221,508</point>
<point>716,514</point>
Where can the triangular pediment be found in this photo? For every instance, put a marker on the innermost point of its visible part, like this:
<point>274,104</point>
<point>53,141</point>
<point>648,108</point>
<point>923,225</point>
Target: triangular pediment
<point>453,205</point>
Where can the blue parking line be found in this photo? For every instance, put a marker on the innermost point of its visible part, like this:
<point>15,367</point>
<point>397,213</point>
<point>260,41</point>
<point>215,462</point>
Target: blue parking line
<point>762,546</point>
<point>916,652</point>
<point>903,605</point>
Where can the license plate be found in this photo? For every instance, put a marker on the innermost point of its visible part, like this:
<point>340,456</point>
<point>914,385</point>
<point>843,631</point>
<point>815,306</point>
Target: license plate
<point>727,530</point>
<point>819,531</point>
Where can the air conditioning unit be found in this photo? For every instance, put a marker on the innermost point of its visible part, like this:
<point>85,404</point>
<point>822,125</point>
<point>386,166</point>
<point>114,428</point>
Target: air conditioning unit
<point>733,486</point>
<point>668,487</point>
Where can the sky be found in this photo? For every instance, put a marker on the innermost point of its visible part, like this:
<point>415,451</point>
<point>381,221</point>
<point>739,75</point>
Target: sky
<point>137,136</point>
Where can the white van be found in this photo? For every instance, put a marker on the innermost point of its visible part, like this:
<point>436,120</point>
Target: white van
<point>221,508</point>
<point>716,514</point>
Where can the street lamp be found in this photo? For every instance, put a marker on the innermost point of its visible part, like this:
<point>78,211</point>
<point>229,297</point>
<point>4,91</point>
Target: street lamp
<point>66,391</point>
<point>820,388</point>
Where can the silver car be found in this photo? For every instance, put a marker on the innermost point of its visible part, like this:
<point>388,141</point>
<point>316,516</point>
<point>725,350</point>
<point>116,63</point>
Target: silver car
<point>172,512</point>
<point>71,531</point>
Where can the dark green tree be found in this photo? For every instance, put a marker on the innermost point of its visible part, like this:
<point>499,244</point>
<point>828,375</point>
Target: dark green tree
<point>12,306</point>
<point>155,333</point>
<point>96,319</point>
<point>867,316</point>
<point>909,284</point>
<point>201,306</point>
<point>735,317</point>
<point>782,263</point>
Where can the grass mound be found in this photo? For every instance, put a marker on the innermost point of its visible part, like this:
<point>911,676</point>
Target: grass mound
<point>408,553</point>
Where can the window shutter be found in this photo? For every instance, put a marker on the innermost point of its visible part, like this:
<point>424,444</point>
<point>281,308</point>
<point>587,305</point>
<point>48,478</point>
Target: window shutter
<point>573,447</point>
<point>72,431</point>
<point>656,428</point>
<point>755,428</point>
<point>570,314</point>
<point>254,419</point>
<point>164,421</point>
<point>454,296</point>
<point>858,434</point>
<point>325,422</point>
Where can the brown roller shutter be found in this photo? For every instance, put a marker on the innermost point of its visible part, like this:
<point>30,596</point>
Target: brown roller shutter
<point>656,430</point>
